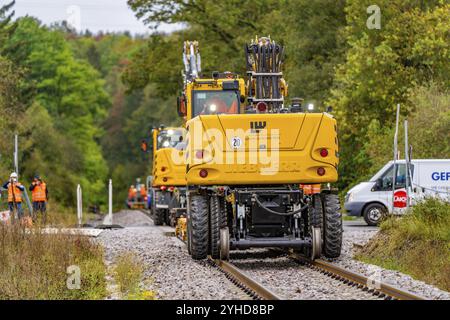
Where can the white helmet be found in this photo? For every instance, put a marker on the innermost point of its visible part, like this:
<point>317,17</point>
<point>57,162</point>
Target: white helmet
<point>13,175</point>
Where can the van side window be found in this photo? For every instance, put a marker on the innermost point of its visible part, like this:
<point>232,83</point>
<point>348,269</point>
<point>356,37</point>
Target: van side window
<point>400,180</point>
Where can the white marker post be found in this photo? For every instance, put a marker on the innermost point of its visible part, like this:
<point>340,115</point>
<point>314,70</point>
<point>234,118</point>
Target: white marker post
<point>108,220</point>
<point>79,205</point>
<point>407,165</point>
<point>396,156</point>
<point>110,209</point>
<point>16,153</point>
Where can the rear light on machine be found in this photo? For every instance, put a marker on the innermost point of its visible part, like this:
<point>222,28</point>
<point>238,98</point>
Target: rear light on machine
<point>203,173</point>
<point>321,171</point>
<point>171,189</point>
<point>163,188</point>
<point>324,152</point>
<point>261,107</point>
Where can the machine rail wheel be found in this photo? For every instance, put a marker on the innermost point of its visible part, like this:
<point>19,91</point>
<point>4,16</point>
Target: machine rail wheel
<point>198,235</point>
<point>224,244</point>
<point>214,226</point>
<point>167,218</point>
<point>189,236</point>
<point>159,217</point>
<point>316,241</point>
<point>315,213</point>
<point>332,226</point>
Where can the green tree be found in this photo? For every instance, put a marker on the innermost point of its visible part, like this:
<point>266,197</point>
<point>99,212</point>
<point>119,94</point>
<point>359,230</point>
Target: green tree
<point>382,68</point>
<point>73,94</point>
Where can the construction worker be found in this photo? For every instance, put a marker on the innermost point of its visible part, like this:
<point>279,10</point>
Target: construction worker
<point>39,195</point>
<point>15,190</point>
<point>132,192</point>
<point>143,192</point>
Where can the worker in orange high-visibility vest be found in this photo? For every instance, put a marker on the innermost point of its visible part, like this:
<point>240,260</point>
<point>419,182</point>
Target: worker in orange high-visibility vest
<point>39,196</point>
<point>15,190</point>
<point>143,191</point>
<point>132,193</point>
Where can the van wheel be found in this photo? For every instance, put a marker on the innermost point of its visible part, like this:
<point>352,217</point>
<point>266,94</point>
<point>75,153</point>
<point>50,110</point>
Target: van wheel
<point>373,213</point>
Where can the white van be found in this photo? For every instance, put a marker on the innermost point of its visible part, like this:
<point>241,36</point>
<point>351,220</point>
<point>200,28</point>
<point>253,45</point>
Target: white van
<point>373,199</point>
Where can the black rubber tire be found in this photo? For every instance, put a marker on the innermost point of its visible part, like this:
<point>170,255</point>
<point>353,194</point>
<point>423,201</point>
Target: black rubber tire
<point>315,212</point>
<point>214,226</point>
<point>332,226</point>
<point>189,236</point>
<point>198,216</point>
<point>167,217</point>
<point>366,213</point>
<point>158,217</point>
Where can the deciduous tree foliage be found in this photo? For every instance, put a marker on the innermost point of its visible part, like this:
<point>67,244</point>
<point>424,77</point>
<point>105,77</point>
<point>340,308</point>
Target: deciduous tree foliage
<point>332,58</point>
<point>382,68</point>
<point>61,126</point>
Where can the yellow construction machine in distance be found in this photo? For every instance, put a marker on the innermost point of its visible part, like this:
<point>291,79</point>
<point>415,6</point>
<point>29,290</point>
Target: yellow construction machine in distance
<point>168,188</point>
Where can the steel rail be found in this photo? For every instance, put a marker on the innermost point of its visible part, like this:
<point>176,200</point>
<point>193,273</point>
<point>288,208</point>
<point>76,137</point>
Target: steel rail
<point>243,281</point>
<point>252,287</point>
<point>351,278</point>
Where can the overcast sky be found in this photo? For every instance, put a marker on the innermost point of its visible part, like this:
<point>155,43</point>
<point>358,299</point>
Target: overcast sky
<point>95,15</point>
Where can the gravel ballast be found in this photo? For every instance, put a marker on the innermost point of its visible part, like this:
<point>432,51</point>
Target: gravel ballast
<point>172,274</point>
<point>168,269</point>
<point>291,280</point>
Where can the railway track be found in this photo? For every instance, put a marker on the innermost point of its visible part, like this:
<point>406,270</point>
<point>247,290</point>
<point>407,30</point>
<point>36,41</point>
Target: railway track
<point>379,289</point>
<point>257,291</point>
<point>238,277</point>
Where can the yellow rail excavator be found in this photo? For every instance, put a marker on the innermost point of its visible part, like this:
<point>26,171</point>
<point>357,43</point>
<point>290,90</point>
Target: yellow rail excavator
<point>254,164</point>
<point>168,184</point>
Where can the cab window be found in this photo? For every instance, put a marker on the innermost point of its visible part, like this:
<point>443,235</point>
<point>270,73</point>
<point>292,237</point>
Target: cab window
<point>169,138</point>
<point>215,102</point>
<point>385,182</point>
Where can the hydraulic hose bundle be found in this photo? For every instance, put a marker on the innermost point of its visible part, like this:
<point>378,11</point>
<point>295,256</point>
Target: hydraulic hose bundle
<point>266,87</point>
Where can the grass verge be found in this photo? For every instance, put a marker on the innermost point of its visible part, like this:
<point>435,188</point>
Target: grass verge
<point>128,272</point>
<point>35,265</point>
<point>417,243</point>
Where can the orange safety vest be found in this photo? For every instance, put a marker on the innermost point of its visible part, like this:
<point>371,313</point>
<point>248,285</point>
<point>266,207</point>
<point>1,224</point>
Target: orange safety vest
<point>143,191</point>
<point>17,193</point>
<point>132,193</point>
<point>38,193</point>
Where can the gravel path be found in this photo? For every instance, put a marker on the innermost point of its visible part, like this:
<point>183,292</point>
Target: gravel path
<point>396,278</point>
<point>168,269</point>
